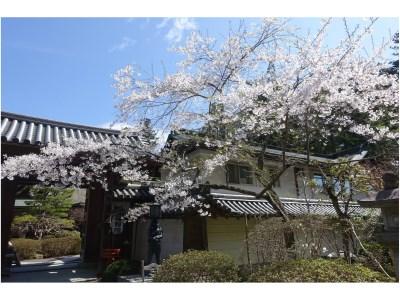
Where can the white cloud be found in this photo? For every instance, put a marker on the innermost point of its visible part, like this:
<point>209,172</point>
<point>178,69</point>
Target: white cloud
<point>125,43</point>
<point>178,28</point>
<point>161,134</point>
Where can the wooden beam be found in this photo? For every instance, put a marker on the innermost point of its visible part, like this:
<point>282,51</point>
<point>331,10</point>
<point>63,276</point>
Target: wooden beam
<point>94,223</point>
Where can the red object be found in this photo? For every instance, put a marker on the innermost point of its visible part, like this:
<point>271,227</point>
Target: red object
<point>110,255</point>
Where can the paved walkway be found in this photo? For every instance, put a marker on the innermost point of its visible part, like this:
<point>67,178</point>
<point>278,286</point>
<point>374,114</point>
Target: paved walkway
<point>65,269</point>
<point>59,275</point>
<point>64,262</point>
<point>65,259</point>
<point>60,269</point>
<point>135,278</point>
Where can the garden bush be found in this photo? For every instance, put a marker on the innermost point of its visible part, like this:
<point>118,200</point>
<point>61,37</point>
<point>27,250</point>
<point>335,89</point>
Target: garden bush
<point>21,224</point>
<point>51,247</point>
<point>317,270</point>
<point>26,248</point>
<point>116,268</point>
<point>381,253</point>
<point>65,233</point>
<point>54,247</point>
<point>198,266</point>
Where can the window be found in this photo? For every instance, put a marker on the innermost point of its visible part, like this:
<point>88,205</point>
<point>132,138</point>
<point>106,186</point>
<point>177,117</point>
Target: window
<point>239,174</point>
<point>319,181</point>
<point>346,188</point>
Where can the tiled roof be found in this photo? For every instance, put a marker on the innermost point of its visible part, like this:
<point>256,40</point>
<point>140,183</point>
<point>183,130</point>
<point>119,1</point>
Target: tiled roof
<point>244,204</point>
<point>355,153</point>
<point>137,194</point>
<point>22,129</point>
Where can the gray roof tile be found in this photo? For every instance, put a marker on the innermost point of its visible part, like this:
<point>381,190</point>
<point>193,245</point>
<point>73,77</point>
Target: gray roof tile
<point>22,129</point>
<point>245,204</point>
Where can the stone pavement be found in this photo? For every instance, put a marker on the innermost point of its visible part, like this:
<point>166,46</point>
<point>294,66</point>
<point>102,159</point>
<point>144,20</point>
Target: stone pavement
<point>58,275</point>
<point>135,279</point>
<point>60,269</point>
<point>63,262</point>
<point>66,269</point>
<point>65,259</point>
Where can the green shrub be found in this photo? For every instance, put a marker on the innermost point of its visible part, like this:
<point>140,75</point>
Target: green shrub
<point>41,226</point>
<point>198,266</point>
<point>116,268</point>
<point>54,247</point>
<point>24,219</point>
<point>317,270</point>
<point>26,248</point>
<point>381,253</point>
<point>64,233</point>
<point>20,225</point>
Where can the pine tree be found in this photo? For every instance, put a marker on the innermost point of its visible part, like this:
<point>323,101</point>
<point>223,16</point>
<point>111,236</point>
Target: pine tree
<point>395,63</point>
<point>50,201</point>
<point>148,134</point>
<point>393,69</point>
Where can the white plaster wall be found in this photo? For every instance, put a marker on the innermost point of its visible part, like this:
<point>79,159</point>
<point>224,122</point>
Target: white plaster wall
<point>286,188</point>
<point>172,241</point>
<point>228,235</point>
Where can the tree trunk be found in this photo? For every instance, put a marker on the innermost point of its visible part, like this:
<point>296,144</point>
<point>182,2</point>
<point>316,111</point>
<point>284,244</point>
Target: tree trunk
<point>346,239</point>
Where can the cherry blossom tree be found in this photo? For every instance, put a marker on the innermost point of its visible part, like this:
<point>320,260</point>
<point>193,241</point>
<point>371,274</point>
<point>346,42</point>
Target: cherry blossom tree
<point>79,163</point>
<point>268,81</point>
<point>87,163</point>
<point>262,82</point>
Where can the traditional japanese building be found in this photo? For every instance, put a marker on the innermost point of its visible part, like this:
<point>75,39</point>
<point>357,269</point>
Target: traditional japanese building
<point>21,135</point>
<point>225,230</point>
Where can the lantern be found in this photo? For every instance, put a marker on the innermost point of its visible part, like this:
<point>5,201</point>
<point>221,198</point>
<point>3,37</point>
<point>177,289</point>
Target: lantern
<point>116,224</point>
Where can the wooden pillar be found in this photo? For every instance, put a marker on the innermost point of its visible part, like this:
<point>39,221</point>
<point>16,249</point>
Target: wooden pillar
<point>94,223</point>
<point>8,191</point>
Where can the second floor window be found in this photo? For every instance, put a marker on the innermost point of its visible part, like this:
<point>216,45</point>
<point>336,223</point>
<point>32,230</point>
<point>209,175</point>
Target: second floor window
<point>319,181</point>
<point>239,174</point>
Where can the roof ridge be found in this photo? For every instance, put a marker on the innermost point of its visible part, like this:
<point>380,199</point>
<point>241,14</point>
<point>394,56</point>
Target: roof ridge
<point>57,123</point>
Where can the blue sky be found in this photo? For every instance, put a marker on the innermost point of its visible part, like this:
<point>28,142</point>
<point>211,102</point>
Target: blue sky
<point>61,68</point>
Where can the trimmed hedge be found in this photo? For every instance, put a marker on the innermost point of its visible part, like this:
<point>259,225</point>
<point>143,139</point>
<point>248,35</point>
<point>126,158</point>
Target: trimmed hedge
<point>26,248</point>
<point>63,233</point>
<point>317,270</point>
<point>198,266</point>
<point>382,254</point>
<point>52,247</point>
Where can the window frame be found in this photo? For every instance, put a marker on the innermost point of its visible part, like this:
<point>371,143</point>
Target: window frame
<point>237,171</point>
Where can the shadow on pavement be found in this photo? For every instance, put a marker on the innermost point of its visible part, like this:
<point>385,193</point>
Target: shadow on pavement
<point>62,269</point>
